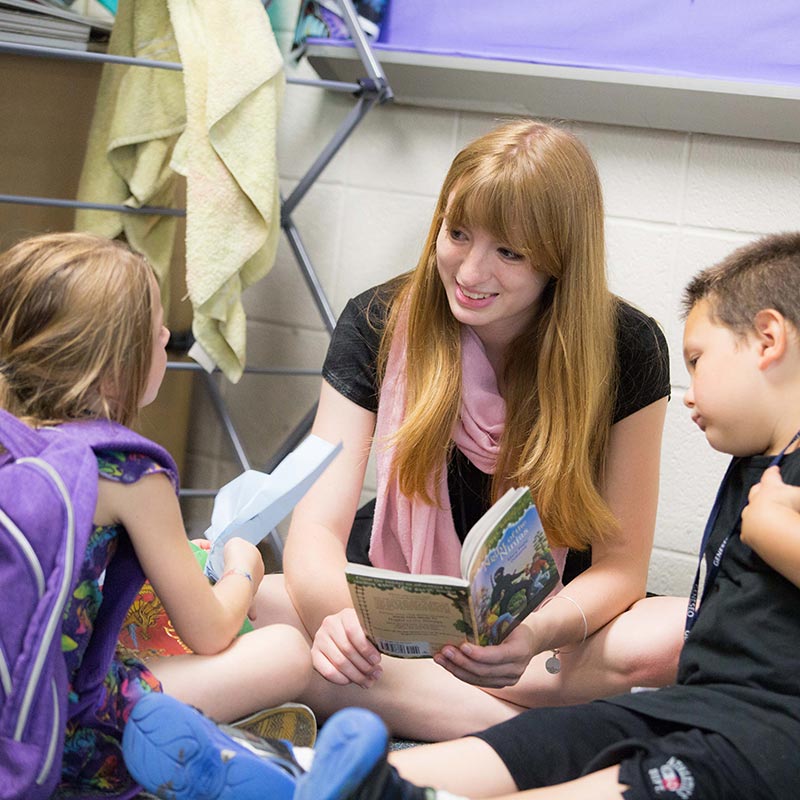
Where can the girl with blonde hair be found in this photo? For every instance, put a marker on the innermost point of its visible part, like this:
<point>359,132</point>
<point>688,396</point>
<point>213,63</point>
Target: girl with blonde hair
<point>82,342</point>
<point>502,360</point>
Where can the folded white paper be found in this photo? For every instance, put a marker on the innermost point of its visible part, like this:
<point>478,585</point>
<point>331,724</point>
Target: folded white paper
<point>251,505</point>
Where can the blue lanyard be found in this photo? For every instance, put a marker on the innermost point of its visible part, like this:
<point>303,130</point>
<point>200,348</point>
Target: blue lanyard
<point>692,611</point>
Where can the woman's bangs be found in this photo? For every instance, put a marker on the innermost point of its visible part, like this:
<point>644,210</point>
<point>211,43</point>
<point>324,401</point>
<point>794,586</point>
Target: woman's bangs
<point>493,206</point>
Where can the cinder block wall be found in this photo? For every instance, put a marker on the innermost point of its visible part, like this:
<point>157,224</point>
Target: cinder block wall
<point>675,202</point>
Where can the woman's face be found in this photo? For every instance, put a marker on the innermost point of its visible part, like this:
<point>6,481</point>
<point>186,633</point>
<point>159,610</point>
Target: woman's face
<point>489,287</point>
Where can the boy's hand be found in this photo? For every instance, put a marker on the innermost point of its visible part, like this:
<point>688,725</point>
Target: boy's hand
<point>766,498</point>
<point>771,488</point>
<point>771,524</point>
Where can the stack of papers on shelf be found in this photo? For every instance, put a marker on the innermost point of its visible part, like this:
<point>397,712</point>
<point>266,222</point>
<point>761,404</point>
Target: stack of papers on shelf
<point>49,23</point>
<point>97,13</point>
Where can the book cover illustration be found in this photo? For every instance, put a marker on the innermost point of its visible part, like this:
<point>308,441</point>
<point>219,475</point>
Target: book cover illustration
<point>511,573</point>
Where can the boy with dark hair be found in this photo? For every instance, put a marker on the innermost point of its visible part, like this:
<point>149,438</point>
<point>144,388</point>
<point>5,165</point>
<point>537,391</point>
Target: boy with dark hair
<point>730,727</point>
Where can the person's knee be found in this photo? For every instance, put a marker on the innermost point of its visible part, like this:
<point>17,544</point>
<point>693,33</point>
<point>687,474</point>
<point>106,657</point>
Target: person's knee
<point>646,642</point>
<point>282,653</point>
<point>293,649</point>
<point>655,667</point>
<point>272,604</point>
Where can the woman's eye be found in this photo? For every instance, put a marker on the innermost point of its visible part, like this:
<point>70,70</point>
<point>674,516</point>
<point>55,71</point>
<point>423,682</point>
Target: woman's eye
<point>457,234</point>
<point>509,254</point>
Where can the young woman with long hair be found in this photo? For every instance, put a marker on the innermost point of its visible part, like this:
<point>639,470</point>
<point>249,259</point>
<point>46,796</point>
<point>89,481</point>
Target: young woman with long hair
<point>502,360</point>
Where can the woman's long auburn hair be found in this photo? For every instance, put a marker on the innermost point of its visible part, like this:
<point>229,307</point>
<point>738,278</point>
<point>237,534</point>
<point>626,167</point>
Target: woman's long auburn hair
<point>76,328</point>
<point>534,187</point>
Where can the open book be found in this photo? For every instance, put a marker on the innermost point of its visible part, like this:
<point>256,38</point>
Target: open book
<point>251,505</point>
<point>507,570</point>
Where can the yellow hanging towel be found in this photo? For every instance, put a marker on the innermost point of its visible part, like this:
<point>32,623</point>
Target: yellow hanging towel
<point>216,124</point>
<point>234,84</point>
<point>139,115</point>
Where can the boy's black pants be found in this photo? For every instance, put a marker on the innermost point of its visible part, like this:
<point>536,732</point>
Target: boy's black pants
<point>659,760</point>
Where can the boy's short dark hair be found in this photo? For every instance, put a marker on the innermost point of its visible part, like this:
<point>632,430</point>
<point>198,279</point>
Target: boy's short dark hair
<point>759,275</point>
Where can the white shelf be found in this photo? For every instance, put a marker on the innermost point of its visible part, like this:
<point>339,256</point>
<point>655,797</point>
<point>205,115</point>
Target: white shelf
<point>702,105</point>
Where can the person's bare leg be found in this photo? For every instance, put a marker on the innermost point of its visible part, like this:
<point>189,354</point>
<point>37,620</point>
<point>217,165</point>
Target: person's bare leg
<point>471,768</point>
<point>465,766</point>
<point>420,700</point>
<point>272,604</point>
<point>601,785</point>
<point>639,648</point>
<point>264,668</point>
<point>417,699</point>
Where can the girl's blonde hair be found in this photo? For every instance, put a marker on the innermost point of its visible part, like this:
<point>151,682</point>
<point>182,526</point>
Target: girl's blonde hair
<point>535,188</point>
<point>76,328</point>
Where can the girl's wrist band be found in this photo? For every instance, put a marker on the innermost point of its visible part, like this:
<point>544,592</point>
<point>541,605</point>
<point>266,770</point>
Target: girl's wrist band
<point>237,571</point>
<point>553,664</point>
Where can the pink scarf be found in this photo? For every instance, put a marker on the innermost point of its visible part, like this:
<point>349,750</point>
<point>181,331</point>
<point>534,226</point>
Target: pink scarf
<point>409,535</point>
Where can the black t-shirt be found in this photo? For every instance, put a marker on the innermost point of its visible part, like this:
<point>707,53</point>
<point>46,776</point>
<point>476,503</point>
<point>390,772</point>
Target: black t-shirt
<point>738,673</point>
<point>350,367</point>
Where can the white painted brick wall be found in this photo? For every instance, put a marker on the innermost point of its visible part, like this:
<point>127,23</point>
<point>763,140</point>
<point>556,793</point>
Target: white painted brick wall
<point>676,202</point>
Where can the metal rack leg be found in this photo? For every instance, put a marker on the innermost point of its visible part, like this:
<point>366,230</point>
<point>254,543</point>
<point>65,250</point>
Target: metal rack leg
<point>221,408</point>
<point>225,418</point>
<point>373,90</point>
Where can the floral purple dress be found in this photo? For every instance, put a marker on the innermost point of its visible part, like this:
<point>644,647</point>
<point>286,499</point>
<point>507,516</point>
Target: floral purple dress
<point>92,762</point>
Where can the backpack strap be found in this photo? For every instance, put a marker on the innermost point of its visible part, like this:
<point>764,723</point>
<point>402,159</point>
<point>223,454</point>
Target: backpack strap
<point>21,441</point>
<point>103,434</point>
<point>18,438</point>
<point>124,572</point>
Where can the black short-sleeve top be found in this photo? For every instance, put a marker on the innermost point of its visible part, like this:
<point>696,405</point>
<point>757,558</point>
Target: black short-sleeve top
<point>738,673</point>
<point>350,367</point>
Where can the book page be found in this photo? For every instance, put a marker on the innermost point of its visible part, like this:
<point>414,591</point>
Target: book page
<point>410,619</point>
<point>251,505</point>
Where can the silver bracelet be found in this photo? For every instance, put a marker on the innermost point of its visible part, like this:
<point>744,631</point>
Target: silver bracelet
<point>237,571</point>
<point>553,664</point>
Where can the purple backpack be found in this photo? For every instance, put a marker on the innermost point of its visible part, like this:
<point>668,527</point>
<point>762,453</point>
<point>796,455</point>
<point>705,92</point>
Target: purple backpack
<point>48,493</point>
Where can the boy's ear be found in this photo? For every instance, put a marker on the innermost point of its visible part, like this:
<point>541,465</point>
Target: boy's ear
<point>772,336</point>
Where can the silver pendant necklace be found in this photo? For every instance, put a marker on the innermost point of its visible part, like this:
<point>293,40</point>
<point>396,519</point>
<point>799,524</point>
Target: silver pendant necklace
<point>553,665</point>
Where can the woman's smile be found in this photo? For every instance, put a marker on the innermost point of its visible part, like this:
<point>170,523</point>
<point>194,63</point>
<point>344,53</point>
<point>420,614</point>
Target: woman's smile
<point>473,299</point>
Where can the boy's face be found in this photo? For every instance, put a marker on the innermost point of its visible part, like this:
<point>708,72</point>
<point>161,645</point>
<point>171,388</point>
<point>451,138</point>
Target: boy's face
<point>724,387</point>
